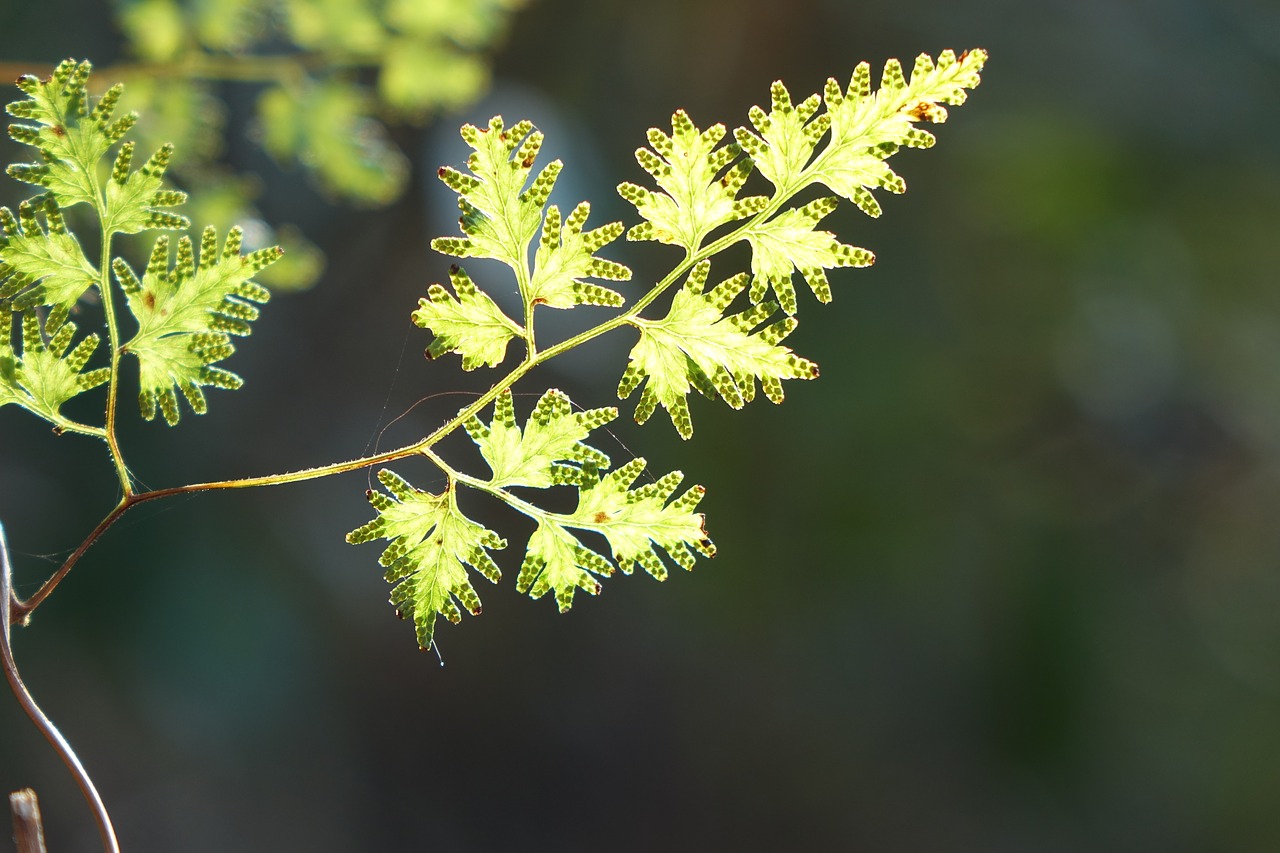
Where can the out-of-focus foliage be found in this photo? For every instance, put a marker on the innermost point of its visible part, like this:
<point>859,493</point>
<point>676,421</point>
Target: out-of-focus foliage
<point>327,76</point>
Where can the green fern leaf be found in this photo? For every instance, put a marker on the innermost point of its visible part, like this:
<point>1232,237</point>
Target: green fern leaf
<point>537,456</point>
<point>432,544</point>
<point>635,520</point>
<point>70,137</point>
<point>695,346</point>
<point>499,216</point>
<point>555,561</point>
<point>789,242</point>
<point>566,255</point>
<point>788,136</point>
<point>637,523</point>
<point>41,265</point>
<point>867,128</point>
<point>470,323</point>
<point>135,200</point>
<point>186,316</point>
<point>695,198</point>
<point>47,372</point>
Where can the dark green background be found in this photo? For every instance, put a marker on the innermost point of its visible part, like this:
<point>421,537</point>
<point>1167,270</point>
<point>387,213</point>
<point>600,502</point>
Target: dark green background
<point>1006,578</point>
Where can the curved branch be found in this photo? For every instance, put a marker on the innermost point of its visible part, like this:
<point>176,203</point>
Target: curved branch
<point>38,717</point>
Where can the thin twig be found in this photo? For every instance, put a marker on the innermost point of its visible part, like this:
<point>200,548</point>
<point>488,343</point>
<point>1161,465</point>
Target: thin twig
<point>28,831</point>
<point>19,611</point>
<point>42,722</point>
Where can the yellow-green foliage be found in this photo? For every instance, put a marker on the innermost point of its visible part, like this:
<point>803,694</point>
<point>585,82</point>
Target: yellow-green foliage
<point>722,339</point>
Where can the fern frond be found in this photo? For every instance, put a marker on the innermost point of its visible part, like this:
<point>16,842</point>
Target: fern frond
<point>186,316</point>
<point>537,455</point>
<point>699,184</point>
<point>71,134</point>
<point>470,323</point>
<point>788,242</point>
<point>135,201</point>
<point>432,545</point>
<point>787,137</point>
<point>867,127</point>
<point>47,370</point>
<point>638,524</point>
<point>499,216</point>
<point>566,257</point>
<point>41,265</point>
<point>697,346</point>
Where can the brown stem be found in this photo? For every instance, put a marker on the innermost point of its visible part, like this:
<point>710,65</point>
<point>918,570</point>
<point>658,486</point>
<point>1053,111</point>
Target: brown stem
<point>38,717</point>
<point>19,611</point>
<point>28,831</point>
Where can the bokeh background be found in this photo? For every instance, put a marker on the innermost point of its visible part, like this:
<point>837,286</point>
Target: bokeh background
<point>1006,578</point>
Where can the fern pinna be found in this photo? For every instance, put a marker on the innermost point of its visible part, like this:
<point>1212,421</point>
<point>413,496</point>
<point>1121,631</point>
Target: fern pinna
<point>719,332</point>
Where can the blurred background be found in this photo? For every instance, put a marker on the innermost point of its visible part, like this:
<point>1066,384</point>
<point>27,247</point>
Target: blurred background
<point>1006,578</point>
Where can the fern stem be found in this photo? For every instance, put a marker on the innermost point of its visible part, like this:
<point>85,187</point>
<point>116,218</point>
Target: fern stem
<point>38,717</point>
<point>520,505</point>
<point>20,611</point>
<point>113,337</point>
<point>63,425</point>
<point>485,486</point>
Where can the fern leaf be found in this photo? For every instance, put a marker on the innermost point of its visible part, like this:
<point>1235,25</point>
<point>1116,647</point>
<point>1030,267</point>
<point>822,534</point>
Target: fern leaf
<point>536,456</point>
<point>634,521</point>
<point>867,128</point>
<point>699,184</point>
<point>499,216</point>
<point>41,265</point>
<point>70,137</point>
<point>787,137</point>
<point>637,523</point>
<point>470,323</point>
<point>186,316</point>
<point>566,256</point>
<point>135,201</point>
<point>47,371</point>
<point>555,561</point>
<point>789,242</point>
<point>695,345</point>
<point>432,544</point>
